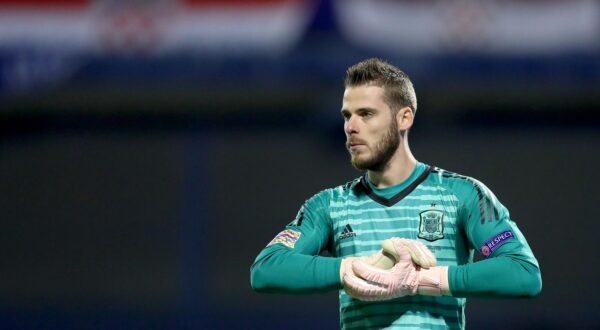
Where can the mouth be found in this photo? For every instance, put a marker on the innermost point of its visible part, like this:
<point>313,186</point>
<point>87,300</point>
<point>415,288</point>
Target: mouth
<point>354,145</point>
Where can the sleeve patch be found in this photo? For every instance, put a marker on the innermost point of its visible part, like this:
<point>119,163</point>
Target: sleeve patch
<point>496,242</point>
<point>287,237</point>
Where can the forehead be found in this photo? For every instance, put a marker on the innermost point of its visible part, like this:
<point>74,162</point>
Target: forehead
<point>364,96</point>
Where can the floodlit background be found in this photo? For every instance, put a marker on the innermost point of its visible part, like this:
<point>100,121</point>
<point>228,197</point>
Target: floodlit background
<point>150,149</point>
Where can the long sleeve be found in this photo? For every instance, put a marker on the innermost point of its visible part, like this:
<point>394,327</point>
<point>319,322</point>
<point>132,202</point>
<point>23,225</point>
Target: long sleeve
<point>508,267</point>
<point>290,263</point>
<point>283,270</point>
<point>511,273</point>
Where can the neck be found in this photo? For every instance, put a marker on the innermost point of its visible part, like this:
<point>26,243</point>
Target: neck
<point>398,169</point>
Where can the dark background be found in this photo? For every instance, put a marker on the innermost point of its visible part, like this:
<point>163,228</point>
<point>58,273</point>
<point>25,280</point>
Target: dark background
<point>137,192</point>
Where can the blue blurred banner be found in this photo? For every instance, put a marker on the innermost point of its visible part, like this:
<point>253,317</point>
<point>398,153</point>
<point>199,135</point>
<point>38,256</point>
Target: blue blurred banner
<point>57,44</point>
<point>155,28</point>
<point>501,27</point>
<point>275,27</point>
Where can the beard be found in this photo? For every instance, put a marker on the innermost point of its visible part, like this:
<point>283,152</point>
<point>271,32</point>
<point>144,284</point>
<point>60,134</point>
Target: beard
<point>382,152</point>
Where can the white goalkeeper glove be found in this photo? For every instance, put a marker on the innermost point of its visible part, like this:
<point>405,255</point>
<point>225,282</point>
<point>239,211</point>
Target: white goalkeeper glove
<point>380,260</point>
<point>413,272</point>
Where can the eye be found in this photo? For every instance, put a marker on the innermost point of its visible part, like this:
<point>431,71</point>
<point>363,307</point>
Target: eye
<point>367,114</point>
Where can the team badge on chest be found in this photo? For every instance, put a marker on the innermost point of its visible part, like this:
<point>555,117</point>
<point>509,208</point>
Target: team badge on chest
<point>431,227</point>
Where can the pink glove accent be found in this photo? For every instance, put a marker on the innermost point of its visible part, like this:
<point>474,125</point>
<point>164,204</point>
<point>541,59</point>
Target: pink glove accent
<point>375,259</point>
<point>434,282</point>
<point>370,283</point>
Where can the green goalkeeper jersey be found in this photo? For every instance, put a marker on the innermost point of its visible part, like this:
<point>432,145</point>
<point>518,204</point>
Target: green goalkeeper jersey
<point>453,215</point>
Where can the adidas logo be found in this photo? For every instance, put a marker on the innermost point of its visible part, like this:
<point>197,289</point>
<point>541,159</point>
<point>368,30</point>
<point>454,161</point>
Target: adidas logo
<point>347,232</point>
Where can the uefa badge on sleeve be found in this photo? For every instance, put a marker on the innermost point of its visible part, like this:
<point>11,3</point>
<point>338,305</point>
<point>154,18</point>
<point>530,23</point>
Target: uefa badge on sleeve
<point>431,226</point>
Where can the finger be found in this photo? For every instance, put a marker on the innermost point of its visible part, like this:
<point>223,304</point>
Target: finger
<point>371,259</point>
<point>370,272</point>
<point>426,257</point>
<point>363,290</point>
<point>397,251</point>
<point>385,261</point>
<point>380,259</point>
<point>419,253</point>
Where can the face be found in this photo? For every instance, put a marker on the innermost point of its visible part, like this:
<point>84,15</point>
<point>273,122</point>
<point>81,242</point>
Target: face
<point>372,135</point>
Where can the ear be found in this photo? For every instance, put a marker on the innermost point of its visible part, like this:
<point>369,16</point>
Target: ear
<point>405,118</point>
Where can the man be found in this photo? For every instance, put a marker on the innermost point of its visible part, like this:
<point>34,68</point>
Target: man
<point>402,236</point>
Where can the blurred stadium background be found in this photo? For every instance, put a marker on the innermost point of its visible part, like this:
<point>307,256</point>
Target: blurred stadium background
<point>150,149</point>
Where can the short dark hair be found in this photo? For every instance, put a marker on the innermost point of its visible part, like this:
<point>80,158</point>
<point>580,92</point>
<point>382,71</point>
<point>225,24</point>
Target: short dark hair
<point>398,89</point>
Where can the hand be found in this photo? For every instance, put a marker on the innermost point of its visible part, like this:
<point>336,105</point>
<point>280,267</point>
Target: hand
<point>380,260</point>
<point>370,283</point>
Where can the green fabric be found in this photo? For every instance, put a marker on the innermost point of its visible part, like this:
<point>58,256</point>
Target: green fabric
<point>281,269</point>
<point>388,192</point>
<point>489,278</point>
<point>346,221</point>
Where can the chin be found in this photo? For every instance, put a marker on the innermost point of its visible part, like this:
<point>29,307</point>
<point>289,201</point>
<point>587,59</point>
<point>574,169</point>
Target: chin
<point>361,164</point>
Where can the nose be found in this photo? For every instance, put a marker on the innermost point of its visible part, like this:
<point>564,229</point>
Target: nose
<point>350,126</point>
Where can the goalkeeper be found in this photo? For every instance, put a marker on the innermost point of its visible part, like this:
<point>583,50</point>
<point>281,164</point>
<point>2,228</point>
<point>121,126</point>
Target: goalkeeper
<point>404,234</point>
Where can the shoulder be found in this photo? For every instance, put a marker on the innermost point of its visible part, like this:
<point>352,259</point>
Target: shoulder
<point>346,189</point>
<point>461,185</point>
<point>471,193</point>
<point>325,196</point>
<point>473,196</point>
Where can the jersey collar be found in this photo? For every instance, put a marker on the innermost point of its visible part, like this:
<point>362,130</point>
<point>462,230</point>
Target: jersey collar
<point>364,185</point>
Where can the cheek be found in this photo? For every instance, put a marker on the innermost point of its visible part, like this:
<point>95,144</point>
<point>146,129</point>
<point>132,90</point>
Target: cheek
<point>376,133</point>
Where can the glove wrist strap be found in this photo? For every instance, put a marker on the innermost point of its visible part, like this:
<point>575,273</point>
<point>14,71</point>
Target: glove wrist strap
<point>434,281</point>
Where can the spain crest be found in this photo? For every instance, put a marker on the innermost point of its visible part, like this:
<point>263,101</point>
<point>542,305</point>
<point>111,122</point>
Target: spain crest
<point>431,227</point>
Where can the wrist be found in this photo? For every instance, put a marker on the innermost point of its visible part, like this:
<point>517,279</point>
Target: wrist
<point>346,267</point>
<point>434,281</point>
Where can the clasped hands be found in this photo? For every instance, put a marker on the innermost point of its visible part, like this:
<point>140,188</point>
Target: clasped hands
<point>403,267</point>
